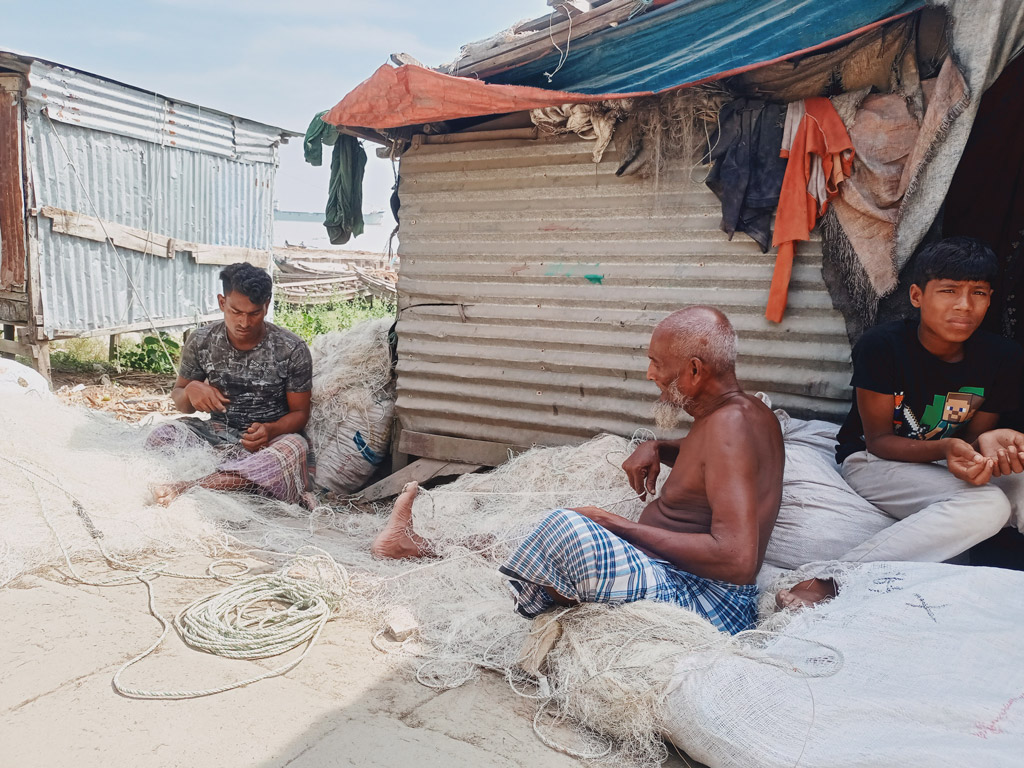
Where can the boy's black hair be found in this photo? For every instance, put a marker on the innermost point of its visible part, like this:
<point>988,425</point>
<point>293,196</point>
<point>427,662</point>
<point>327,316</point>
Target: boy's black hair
<point>252,282</point>
<point>956,258</point>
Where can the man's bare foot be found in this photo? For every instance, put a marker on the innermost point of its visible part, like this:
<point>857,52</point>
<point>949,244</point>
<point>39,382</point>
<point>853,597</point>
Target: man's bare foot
<point>164,494</point>
<point>398,540</point>
<point>806,594</point>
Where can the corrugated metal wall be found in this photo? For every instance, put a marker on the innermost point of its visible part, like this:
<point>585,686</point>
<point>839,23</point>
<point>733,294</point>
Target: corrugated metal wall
<point>84,100</point>
<point>531,279</point>
<point>218,197</point>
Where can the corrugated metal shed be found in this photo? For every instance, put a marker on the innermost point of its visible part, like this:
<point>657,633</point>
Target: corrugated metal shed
<point>130,157</point>
<point>531,279</point>
<point>86,285</point>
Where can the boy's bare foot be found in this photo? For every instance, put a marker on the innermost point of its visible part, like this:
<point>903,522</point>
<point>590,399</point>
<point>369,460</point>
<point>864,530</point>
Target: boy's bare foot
<point>398,540</point>
<point>806,594</point>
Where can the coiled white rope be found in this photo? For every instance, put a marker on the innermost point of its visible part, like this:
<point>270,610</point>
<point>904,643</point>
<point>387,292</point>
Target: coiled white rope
<point>259,617</point>
<point>262,616</point>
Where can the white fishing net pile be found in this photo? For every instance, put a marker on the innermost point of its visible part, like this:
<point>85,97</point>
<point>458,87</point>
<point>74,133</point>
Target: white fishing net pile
<point>461,603</point>
<point>53,453</point>
<point>59,454</point>
<point>606,679</point>
<point>353,401</point>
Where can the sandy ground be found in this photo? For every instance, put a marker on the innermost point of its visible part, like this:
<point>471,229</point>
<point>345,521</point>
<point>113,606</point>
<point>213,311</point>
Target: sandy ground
<point>346,704</point>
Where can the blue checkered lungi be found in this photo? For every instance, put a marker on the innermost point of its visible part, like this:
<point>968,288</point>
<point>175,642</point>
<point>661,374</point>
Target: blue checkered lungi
<point>585,562</point>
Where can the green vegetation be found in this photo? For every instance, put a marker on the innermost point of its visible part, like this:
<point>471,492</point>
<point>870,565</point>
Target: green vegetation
<point>80,356</point>
<point>317,319</point>
<point>62,360</point>
<point>155,355</point>
<point>90,355</point>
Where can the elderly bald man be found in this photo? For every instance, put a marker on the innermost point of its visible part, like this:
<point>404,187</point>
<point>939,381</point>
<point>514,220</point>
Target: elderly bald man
<point>701,542</point>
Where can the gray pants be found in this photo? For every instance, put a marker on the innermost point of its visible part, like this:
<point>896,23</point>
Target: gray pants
<point>938,516</point>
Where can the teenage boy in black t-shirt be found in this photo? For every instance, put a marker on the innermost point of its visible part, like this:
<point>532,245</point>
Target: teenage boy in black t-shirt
<point>921,442</point>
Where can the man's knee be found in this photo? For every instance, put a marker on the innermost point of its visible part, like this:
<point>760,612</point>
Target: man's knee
<point>986,508</point>
<point>163,435</point>
<point>294,438</point>
<point>557,531</point>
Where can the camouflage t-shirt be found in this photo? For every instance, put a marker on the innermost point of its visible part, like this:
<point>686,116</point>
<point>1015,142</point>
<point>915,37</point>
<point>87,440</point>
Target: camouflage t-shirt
<point>255,381</point>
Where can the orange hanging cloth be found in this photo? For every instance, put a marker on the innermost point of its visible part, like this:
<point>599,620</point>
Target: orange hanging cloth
<point>821,157</point>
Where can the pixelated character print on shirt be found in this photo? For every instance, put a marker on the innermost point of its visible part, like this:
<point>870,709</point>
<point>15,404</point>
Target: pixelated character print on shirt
<point>941,418</point>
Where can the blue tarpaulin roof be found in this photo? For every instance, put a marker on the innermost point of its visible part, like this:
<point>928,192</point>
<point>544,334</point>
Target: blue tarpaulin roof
<point>693,40</point>
<point>683,43</point>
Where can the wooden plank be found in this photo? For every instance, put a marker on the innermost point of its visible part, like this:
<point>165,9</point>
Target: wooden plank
<point>12,205</point>
<point>229,254</point>
<point>90,228</point>
<point>13,311</point>
<point>191,320</point>
<point>15,348</point>
<point>142,241</point>
<point>460,449</point>
<point>420,471</point>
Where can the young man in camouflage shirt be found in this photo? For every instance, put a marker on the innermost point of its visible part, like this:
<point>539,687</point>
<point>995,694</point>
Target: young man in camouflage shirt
<point>254,379</point>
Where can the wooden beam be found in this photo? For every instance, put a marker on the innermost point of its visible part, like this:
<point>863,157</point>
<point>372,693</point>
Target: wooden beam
<point>71,333</point>
<point>420,471</point>
<point>142,241</point>
<point>13,249</point>
<point>228,254</point>
<point>459,449</point>
<point>90,228</point>
<point>15,348</point>
<point>13,311</point>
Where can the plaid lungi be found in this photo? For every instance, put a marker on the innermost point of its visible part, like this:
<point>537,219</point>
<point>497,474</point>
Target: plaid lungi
<point>585,562</point>
<point>283,469</point>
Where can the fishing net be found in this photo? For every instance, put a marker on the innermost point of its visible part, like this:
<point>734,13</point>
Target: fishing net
<point>601,691</point>
<point>353,402</point>
<point>55,453</point>
<point>72,472</point>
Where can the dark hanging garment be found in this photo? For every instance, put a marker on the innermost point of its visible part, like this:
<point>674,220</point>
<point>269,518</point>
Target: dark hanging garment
<point>747,172</point>
<point>344,215</point>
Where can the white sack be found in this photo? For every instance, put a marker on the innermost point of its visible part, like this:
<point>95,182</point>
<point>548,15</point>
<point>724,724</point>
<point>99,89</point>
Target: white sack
<point>928,671</point>
<point>821,517</point>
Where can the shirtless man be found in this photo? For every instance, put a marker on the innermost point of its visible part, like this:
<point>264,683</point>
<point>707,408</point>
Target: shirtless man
<point>699,544</point>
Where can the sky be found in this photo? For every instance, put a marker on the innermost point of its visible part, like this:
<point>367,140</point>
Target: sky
<point>275,62</point>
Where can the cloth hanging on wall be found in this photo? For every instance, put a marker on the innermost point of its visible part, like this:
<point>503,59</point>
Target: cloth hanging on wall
<point>747,171</point>
<point>820,159</point>
<point>343,217</point>
<point>986,198</point>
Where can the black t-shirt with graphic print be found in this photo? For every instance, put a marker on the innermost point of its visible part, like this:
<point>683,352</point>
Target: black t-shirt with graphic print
<point>933,398</point>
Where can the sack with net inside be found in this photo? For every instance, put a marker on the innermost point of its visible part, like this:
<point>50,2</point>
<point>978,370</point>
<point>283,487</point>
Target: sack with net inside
<point>352,404</point>
<point>913,664</point>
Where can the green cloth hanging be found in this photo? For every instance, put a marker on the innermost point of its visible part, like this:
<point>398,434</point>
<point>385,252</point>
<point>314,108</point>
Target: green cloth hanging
<point>344,215</point>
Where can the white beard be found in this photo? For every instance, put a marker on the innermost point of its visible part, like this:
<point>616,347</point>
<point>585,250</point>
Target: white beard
<point>668,413</point>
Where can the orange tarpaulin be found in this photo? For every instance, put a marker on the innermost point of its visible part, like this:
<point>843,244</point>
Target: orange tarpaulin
<point>821,133</point>
<point>408,95</point>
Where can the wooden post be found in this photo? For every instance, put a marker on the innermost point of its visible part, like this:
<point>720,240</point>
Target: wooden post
<point>41,352</point>
<point>398,458</point>
<point>115,339</point>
